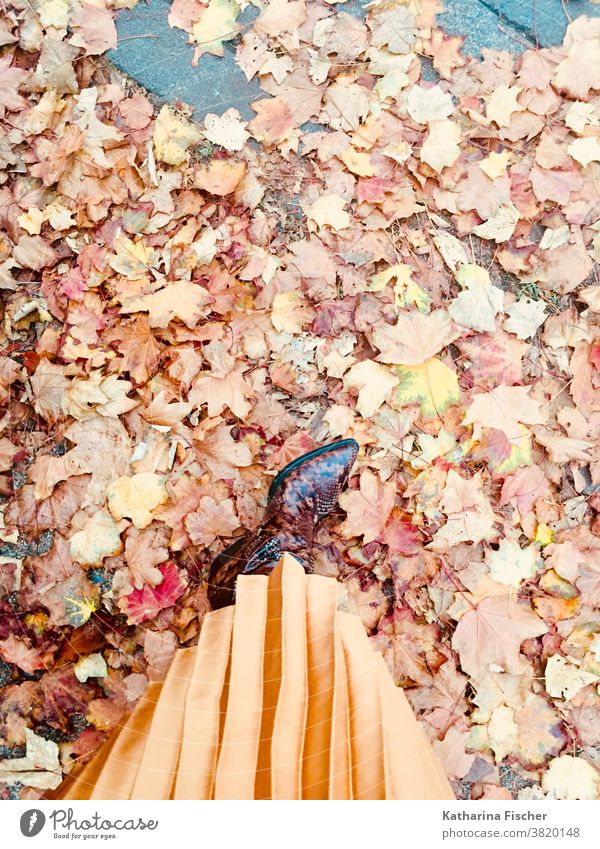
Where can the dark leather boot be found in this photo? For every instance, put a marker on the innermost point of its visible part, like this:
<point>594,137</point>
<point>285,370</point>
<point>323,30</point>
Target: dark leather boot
<point>302,494</point>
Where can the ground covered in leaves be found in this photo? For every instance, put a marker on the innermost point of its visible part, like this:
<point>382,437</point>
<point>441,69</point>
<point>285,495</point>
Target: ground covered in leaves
<point>188,307</point>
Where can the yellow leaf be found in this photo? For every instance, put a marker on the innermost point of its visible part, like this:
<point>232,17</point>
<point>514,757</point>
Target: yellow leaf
<point>374,383</point>
<point>290,312</point>
<point>520,452</point>
<point>217,24</point>
<point>132,259</point>
<point>583,150</point>
<point>432,385</point>
<point>359,163</point>
<point>329,211</point>
<point>501,225</point>
<point>228,130</point>
<point>544,535</point>
<point>406,291</point>
<point>90,666</point>
<point>495,164</point>
<point>79,610</point>
<point>32,221</point>
<point>136,497</point>
<point>54,13</point>
<point>502,104</point>
<point>571,778</point>
<point>98,539</point>
<point>173,135</point>
<point>441,147</point>
<point>410,293</point>
<point>399,152</point>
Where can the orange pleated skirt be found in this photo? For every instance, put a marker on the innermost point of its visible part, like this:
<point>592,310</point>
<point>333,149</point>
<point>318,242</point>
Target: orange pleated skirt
<point>282,698</point>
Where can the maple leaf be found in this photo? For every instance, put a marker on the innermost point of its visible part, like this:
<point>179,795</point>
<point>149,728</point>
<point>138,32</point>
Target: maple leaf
<point>228,130</point>
<point>451,752</point>
<point>329,211</point>
<point>578,73</point>
<point>396,28</point>
<point>565,679</point>
<point>136,111</point>
<point>470,516</point>
<point>49,383</point>
<point>503,104</point>
<point>501,225</point>
<point>368,508</point>
<point>133,259</point>
<point>180,299</point>
<point>39,768</point>
<point>216,25</point>
<point>525,317</point>
<point>220,393</point>
<point>211,520</point>
<point>220,176</point>
<point>406,290</point>
<point>166,414</point>
<point>144,551</point>
<point>138,346</point>
<point>136,497</point>
<point>432,385</point>
<point>173,136</point>
<point>503,409</point>
<point>511,564</point>
<point>99,538</point>
<point>477,306</point>
<point>16,651</point>
<point>146,603</point>
<point>399,534</point>
<point>441,146</point>
<point>273,122</point>
<point>445,52</point>
<point>374,383</point>
<point>571,778</point>
<point>524,488</point>
<point>414,338</point>
<point>90,666</point>
<point>94,30</point>
<point>11,78</point>
<point>345,106</point>
<point>290,312</point>
<point>492,633</point>
<point>217,449</point>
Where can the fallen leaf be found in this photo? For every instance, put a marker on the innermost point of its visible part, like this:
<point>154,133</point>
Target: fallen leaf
<point>136,497</point>
<point>571,778</point>
<point>90,666</point>
<point>221,177</point>
<point>510,564</point>
<point>173,136</point>
<point>414,338</point>
<point>565,679</point>
<point>432,385</point>
<point>374,384</point>
<point>492,633</point>
<point>228,130</point>
<point>367,508</point>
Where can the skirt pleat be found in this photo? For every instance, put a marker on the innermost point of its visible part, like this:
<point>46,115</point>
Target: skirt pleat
<point>282,698</point>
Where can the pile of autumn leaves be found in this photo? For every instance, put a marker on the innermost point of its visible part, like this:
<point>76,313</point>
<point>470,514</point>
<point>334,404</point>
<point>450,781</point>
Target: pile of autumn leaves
<point>169,344</point>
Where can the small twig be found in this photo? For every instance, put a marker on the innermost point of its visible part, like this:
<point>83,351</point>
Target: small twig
<point>131,37</point>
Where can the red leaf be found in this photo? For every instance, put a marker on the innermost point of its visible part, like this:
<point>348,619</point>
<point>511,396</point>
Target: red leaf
<point>144,604</point>
<point>400,534</point>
